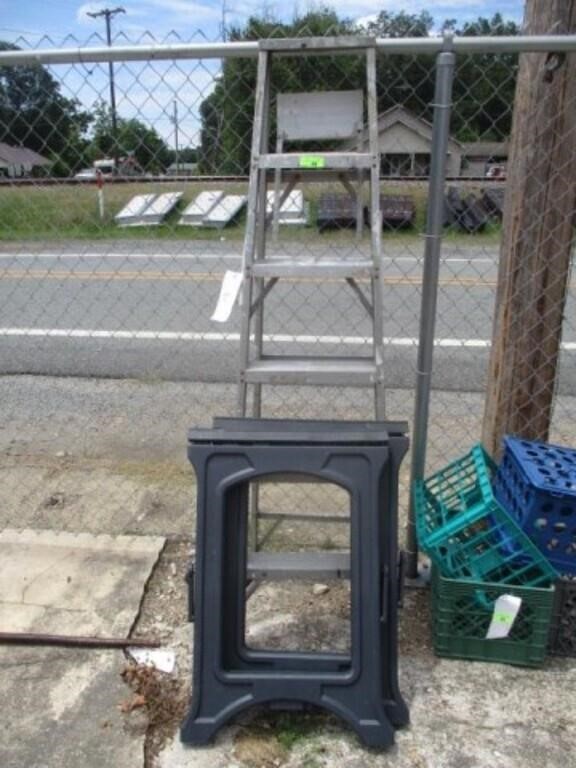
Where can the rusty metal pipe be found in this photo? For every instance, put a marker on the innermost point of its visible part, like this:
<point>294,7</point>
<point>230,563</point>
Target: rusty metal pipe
<point>26,638</point>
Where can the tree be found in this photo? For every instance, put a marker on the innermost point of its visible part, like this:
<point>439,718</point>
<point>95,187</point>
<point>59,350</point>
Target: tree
<point>34,114</point>
<point>484,88</point>
<point>227,113</point>
<point>484,85</point>
<point>133,139</point>
<point>405,80</point>
<point>185,155</point>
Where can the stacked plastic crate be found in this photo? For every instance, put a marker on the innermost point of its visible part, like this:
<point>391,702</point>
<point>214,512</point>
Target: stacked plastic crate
<point>536,484</point>
<point>482,557</point>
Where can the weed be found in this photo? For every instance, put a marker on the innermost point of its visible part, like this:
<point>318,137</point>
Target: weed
<point>292,729</point>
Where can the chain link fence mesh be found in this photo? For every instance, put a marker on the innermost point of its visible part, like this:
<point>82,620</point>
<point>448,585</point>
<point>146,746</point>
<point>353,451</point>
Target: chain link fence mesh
<point>108,352</point>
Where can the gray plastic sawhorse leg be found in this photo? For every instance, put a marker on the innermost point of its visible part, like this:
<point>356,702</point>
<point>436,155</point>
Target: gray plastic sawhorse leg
<point>228,676</point>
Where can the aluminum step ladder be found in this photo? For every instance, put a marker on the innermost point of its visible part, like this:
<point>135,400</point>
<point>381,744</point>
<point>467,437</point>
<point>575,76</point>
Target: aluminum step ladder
<point>338,117</point>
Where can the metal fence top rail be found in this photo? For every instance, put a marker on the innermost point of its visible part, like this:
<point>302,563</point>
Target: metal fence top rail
<point>412,45</point>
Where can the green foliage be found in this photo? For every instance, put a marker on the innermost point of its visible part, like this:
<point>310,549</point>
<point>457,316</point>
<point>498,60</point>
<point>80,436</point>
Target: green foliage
<point>483,92</point>
<point>133,139</point>
<point>484,86</point>
<point>34,114</point>
<point>228,112</point>
<point>185,155</point>
<point>290,729</point>
<point>404,80</point>
<point>402,24</point>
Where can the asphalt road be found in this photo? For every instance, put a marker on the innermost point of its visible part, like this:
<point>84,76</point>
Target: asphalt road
<point>142,309</point>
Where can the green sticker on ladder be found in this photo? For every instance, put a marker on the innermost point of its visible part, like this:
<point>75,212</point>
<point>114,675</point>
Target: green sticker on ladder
<point>312,161</point>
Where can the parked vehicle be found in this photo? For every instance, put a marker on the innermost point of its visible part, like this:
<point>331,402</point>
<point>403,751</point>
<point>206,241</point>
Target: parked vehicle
<point>86,174</point>
<point>107,167</point>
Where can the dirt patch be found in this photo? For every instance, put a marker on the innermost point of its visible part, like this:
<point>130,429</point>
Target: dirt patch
<point>164,698</point>
<point>257,747</point>
<point>165,603</point>
<point>159,701</point>
<point>415,636</point>
<point>269,742</point>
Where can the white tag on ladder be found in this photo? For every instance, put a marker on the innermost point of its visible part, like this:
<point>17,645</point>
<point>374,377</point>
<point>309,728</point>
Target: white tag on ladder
<point>229,290</point>
<point>506,609</point>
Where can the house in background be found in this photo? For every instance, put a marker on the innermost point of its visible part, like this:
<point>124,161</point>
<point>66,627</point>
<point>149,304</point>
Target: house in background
<point>405,143</point>
<point>182,169</point>
<point>16,162</point>
<point>480,156</point>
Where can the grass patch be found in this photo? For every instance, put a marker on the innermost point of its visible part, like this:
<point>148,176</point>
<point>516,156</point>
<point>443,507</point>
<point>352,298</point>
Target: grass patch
<point>268,743</point>
<point>71,212</point>
<point>158,473</point>
<point>292,729</point>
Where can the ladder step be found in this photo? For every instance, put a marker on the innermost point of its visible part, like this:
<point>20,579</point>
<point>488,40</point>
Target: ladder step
<point>310,268</point>
<point>308,161</point>
<point>337,371</point>
<point>313,517</point>
<point>291,565</point>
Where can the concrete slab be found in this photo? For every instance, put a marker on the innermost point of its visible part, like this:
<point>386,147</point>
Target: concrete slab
<point>200,207</point>
<point>133,210</point>
<point>157,210</point>
<point>63,703</point>
<point>76,584</point>
<point>293,211</point>
<point>224,211</point>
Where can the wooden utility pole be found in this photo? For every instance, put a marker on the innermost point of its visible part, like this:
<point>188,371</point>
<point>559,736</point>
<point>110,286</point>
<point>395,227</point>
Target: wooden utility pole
<point>538,228</point>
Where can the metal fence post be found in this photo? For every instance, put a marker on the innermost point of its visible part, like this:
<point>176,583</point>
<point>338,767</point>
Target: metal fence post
<point>445,63</point>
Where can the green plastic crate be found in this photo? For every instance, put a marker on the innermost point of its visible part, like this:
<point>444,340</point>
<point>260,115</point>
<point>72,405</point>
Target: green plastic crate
<point>462,612</point>
<point>466,532</point>
<point>563,630</point>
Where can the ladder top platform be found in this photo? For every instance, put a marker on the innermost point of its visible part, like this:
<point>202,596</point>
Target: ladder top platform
<point>296,431</point>
<point>334,44</point>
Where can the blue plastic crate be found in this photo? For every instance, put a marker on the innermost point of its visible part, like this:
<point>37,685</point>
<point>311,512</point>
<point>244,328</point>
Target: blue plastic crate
<point>536,484</point>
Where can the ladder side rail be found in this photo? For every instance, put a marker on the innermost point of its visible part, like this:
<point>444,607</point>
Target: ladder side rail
<point>277,183</point>
<point>261,223</point>
<point>262,78</point>
<point>376,233</point>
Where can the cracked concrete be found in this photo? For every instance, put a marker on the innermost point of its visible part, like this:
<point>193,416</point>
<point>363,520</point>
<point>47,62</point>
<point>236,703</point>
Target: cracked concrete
<point>61,704</point>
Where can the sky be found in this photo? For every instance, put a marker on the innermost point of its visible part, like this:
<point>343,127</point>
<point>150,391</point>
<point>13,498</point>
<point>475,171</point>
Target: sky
<point>152,92</point>
<point>57,18</point>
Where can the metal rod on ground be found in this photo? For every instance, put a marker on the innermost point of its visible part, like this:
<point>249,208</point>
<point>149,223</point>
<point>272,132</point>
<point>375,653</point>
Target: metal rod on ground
<point>26,638</point>
<point>434,223</point>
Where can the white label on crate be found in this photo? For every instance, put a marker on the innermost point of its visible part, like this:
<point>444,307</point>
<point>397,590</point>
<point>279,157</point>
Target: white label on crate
<point>506,609</point>
<point>228,294</point>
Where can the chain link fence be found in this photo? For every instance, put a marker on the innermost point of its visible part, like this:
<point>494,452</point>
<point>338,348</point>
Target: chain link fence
<point>108,350</point>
